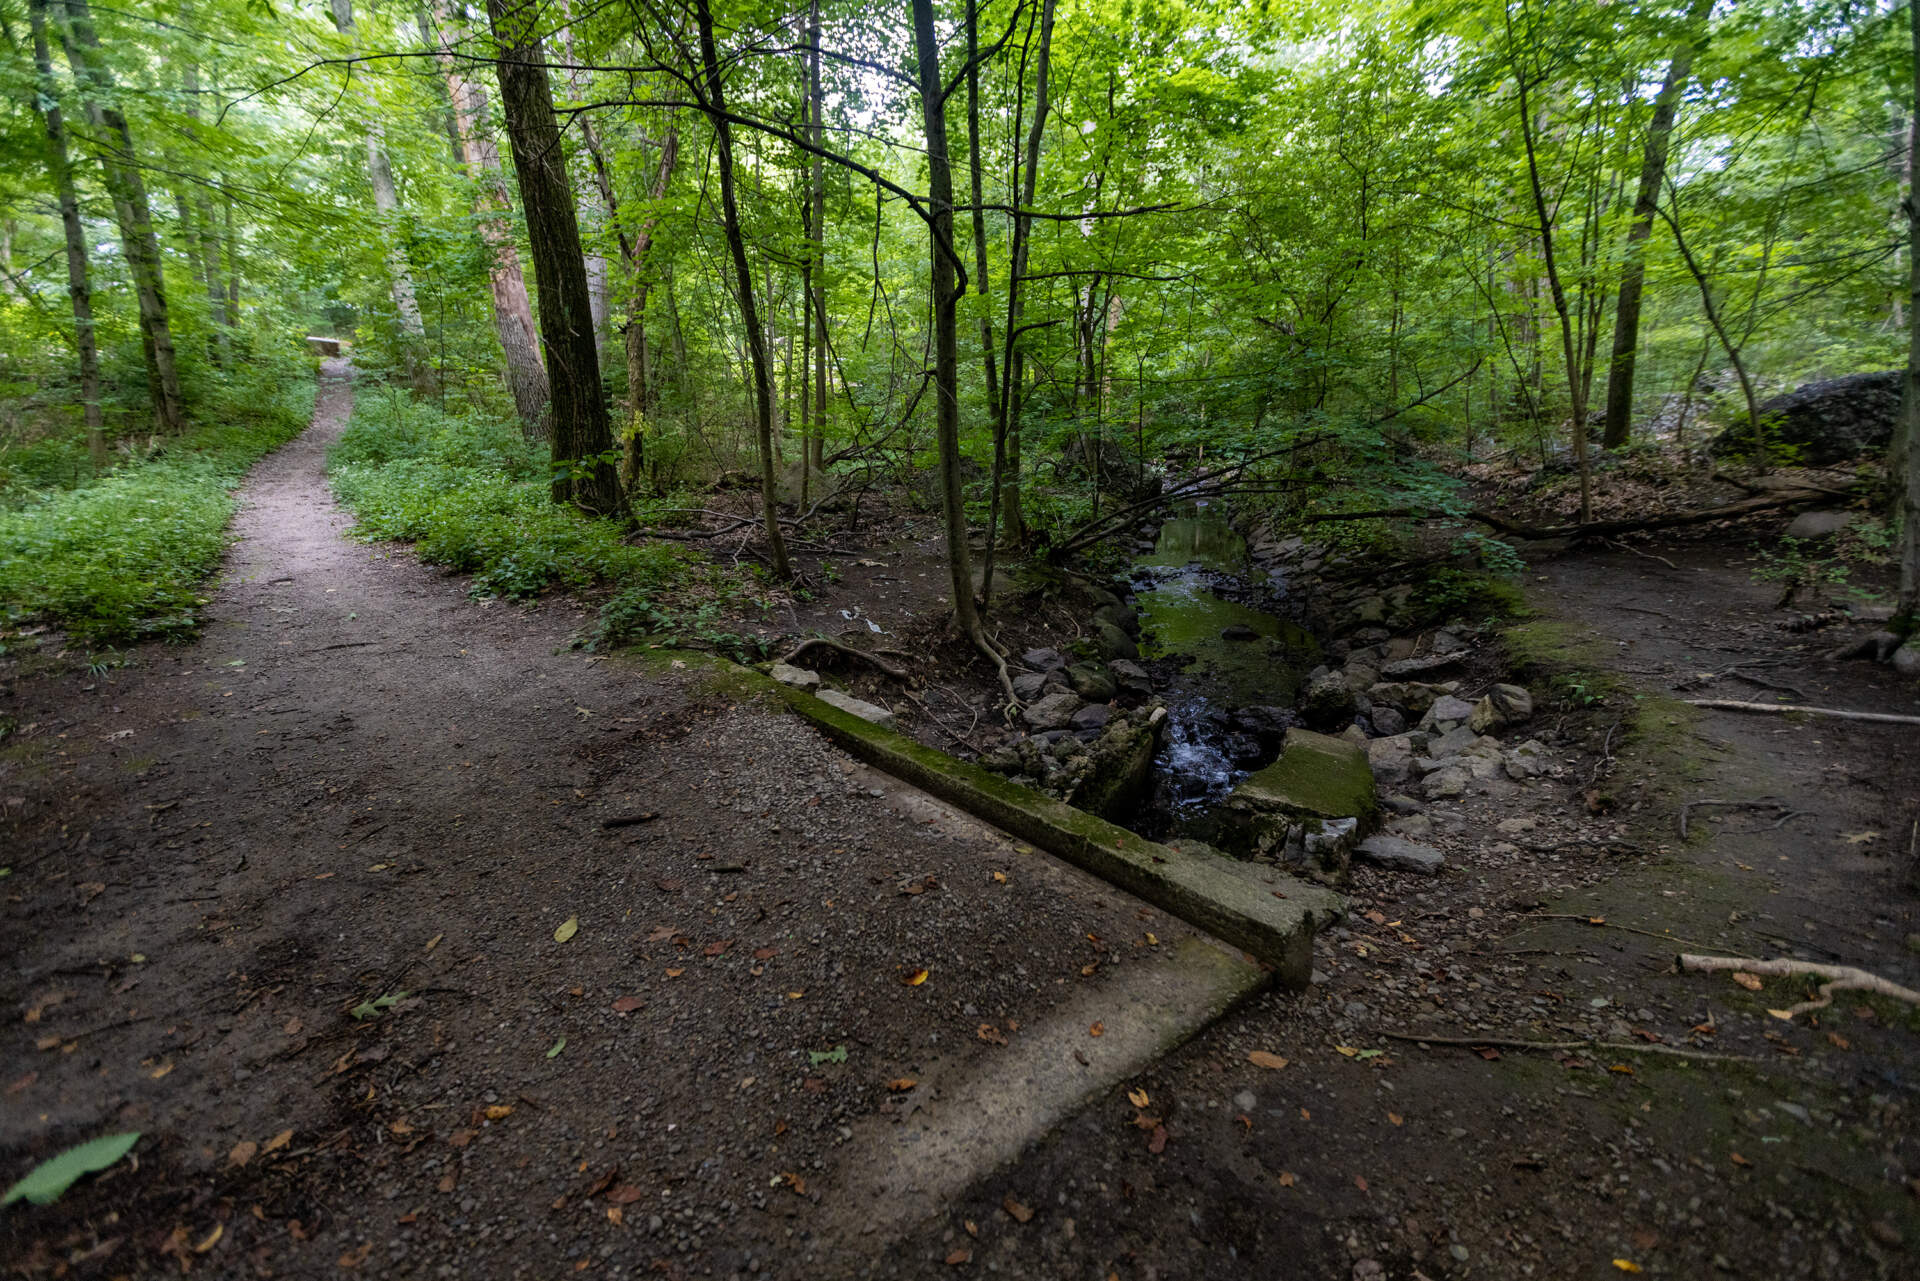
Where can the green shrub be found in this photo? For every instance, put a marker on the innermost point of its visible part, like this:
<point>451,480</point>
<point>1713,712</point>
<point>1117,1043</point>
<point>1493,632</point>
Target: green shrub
<point>470,494</point>
<point>122,558</point>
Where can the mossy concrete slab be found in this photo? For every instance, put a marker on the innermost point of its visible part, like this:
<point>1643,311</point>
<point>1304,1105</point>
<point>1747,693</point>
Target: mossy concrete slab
<point>1252,906</point>
<point>1317,776</point>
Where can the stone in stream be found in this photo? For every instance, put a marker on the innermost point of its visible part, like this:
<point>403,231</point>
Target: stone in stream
<point>1131,676</point>
<point>1115,643</point>
<point>1043,660</point>
<point>1306,808</point>
<point>1118,616</point>
<point>798,677</point>
<point>1446,713</point>
<point>1327,703</point>
<point>1387,721</point>
<point>1055,711</point>
<point>1391,758</point>
<point>858,707</point>
<point>1417,666</point>
<point>1092,682</point>
<point>1399,855</point>
<point>1092,716</point>
<point>1028,686</point>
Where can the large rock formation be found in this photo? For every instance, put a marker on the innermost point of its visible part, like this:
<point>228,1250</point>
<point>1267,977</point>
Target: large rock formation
<point>1826,422</point>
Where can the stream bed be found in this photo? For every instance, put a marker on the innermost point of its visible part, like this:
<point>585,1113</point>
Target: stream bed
<point>1231,668</point>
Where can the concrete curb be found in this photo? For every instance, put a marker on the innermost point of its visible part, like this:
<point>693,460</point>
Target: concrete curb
<point>1250,905</point>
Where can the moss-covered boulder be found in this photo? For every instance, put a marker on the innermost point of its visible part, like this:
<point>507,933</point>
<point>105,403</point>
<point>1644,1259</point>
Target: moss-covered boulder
<point>1308,808</point>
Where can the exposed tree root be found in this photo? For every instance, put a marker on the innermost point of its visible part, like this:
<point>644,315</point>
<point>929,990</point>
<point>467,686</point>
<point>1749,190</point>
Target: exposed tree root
<point>1840,978</point>
<point>1606,528</point>
<point>823,642</point>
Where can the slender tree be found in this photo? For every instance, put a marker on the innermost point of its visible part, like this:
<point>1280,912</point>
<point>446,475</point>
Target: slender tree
<point>1909,426</point>
<point>715,104</point>
<point>1653,171</point>
<point>120,164</point>
<point>79,288</point>
<point>581,439</point>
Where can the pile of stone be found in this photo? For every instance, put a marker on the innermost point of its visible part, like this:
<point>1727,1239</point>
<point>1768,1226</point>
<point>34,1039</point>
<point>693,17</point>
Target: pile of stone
<point>1080,745</point>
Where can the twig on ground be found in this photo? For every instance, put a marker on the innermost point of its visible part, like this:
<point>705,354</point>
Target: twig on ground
<point>1512,1043</point>
<point>1840,978</point>
<point>1731,705</point>
<point>1601,921</point>
<point>1763,803</point>
<point>1616,543</point>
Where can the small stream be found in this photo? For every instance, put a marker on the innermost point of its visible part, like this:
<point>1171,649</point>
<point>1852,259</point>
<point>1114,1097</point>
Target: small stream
<point>1231,669</point>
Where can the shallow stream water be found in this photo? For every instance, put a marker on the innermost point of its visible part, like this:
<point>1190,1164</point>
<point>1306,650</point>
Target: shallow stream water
<point>1228,657</point>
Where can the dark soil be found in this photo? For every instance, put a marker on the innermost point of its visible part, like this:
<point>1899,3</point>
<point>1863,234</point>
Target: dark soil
<point>361,783</point>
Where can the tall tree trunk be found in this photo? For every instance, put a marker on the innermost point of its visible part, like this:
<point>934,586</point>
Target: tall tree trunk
<point>386,205</point>
<point>79,289</point>
<point>1909,605</point>
<point>945,286</point>
<point>120,164</point>
<point>595,219</point>
<point>817,297</point>
<point>1653,171</point>
<point>1575,390</point>
<point>209,238</point>
<point>580,435</point>
<point>716,106</point>
<point>512,311</point>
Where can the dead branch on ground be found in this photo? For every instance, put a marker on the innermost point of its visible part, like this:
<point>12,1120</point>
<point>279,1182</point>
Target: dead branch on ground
<point>1840,978</point>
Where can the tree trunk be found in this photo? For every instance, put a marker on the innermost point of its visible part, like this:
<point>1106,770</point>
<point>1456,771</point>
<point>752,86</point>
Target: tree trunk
<point>716,107</point>
<point>817,300</point>
<point>1653,170</point>
<point>209,239</point>
<point>945,297</point>
<point>386,205</point>
<point>1575,391</point>
<point>120,164</point>
<point>580,434</point>
<point>1909,604</point>
<point>79,289</point>
<point>512,312</point>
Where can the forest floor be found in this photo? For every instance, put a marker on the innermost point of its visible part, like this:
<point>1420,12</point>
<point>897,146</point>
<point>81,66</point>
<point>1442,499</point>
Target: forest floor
<point>420,944</point>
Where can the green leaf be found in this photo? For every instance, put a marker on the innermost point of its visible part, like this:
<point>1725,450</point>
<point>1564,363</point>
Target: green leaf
<point>56,1174</point>
<point>838,1054</point>
<point>377,1006</point>
<point>558,1046</point>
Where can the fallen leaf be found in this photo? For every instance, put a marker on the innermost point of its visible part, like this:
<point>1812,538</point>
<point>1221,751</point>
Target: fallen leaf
<point>278,1141</point>
<point>1001,877</point>
<point>960,1256</point>
<point>400,1127</point>
<point>1622,1068</point>
<point>1860,838</point>
<point>1840,1042</point>
<point>765,953</point>
<point>1360,1183</point>
<point>1245,1120</point>
<point>900,1084</point>
<point>1137,1097</point>
<point>1487,1052</point>
<point>1262,1058</point>
<point>625,1194</point>
<point>1347,1050</point>
<point>990,1034</point>
<point>568,928</point>
<point>973,1229</point>
<point>1158,1143</point>
<point>1627,1265</point>
<point>434,941</point>
<point>1751,982</point>
<point>1286,1180</point>
<point>616,1216</point>
<point>916,978</point>
<point>459,1138</point>
<point>499,1111</point>
<point>354,1258</point>
<point>211,1239</point>
<point>243,1152</point>
<point>718,946</point>
<point>1395,1118</point>
<point>674,974</point>
<point>558,1046</point>
<point>449,1181</point>
<point>628,1004</point>
<point>1020,1213</point>
<point>1098,1029</point>
<point>1785,1016</point>
<point>1740,1160</point>
<point>161,1071</point>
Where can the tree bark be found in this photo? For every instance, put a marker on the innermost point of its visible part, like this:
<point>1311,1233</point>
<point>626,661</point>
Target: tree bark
<point>386,205</point>
<point>120,164</point>
<point>817,299</point>
<point>1653,171</point>
<point>1909,604</point>
<point>209,239</point>
<point>715,104</point>
<point>79,288</point>
<point>580,435</point>
<point>512,312</point>
<point>944,289</point>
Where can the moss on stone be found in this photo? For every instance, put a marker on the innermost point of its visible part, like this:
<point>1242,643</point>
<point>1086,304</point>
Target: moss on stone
<point>1317,776</point>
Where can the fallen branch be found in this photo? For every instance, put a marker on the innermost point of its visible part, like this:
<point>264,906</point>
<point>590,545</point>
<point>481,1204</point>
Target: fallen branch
<point>1617,1047</point>
<point>1840,978</point>
<point>823,642</point>
<point>1605,528</point>
<point>1617,545</point>
<point>1603,922</point>
<point>1732,705</point>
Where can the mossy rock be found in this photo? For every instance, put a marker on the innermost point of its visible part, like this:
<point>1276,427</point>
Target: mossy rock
<point>1317,776</point>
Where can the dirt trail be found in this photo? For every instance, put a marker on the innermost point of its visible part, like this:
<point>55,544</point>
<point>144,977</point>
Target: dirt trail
<point>361,784</point>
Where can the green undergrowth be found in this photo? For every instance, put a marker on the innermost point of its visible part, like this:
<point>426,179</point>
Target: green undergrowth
<point>471,494</point>
<point>124,557</point>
